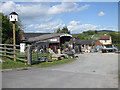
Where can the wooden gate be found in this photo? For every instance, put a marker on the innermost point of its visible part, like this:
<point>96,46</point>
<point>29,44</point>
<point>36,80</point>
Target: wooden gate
<point>39,52</point>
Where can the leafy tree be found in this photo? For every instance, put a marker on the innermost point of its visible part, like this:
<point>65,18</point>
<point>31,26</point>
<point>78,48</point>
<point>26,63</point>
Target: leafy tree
<point>85,34</point>
<point>115,37</point>
<point>58,31</point>
<point>7,30</point>
<point>90,32</point>
<point>96,32</point>
<point>64,30</point>
<point>81,36</point>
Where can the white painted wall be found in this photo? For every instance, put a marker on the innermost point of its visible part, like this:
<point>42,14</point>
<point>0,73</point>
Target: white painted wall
<point>107,41</point>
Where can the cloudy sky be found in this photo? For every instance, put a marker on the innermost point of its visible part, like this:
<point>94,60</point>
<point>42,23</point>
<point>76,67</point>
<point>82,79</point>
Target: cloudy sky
<point>77,16</point>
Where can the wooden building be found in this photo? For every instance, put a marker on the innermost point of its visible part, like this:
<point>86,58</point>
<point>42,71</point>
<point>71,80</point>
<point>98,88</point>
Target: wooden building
<point>55,40</point>
<point>86,45</point>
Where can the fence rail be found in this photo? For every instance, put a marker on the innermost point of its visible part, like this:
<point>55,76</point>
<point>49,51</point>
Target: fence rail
<point>9,45</point>
<point>7,51</point>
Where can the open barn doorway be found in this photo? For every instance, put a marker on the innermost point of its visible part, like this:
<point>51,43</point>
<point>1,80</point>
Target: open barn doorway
<point>64,39</point>
<point>66,43</point>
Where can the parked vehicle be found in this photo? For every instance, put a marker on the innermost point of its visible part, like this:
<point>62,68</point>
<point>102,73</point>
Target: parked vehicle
<point>109,48</point>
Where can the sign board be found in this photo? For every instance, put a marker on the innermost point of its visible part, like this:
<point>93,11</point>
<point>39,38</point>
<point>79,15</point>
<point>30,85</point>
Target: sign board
<point>22,47</point>
<point>54,40</point>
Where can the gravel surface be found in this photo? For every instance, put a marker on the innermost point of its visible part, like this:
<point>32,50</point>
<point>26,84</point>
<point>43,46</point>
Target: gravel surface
<point>93,70</point>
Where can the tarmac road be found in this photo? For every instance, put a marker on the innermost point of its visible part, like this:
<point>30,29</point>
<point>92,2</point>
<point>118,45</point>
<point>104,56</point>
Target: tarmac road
<point>94,70</point>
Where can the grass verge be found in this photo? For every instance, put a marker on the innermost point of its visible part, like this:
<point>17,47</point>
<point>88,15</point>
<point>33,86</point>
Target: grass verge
<point>54,63</point>
<point>9,64</point>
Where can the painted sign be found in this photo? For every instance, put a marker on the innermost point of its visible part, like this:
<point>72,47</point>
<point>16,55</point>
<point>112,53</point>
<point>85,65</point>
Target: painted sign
<point>22,47</point>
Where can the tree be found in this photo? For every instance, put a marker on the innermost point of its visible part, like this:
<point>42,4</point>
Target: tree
<point>90,32</point>
<point>64,30</point>
<point>115,37</point>
<point>7,30</point>
<point>96,32</point>
<point>81,36</point>
<point>58,31</point>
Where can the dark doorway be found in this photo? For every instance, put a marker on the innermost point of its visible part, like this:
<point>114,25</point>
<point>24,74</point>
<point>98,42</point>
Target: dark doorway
<point>64,39</point>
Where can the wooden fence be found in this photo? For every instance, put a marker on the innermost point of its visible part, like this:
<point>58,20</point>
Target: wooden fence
<point>7,50</point>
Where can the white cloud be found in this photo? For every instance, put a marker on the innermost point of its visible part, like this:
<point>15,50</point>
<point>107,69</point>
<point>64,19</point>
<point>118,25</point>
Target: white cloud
<point>78,28</point>
<point>44,13</point>
<point>30,26</point>
<point>66,7</point>
<point>40,11</point>
<point>0,7</point>
<point>64,0</point>
<point>110,28</point>
<point>45,27</point>
<point>101,13</point>
<point>73,26</point>
<point>8,7</point>
<point>26,11</point>
<point>74,22</point>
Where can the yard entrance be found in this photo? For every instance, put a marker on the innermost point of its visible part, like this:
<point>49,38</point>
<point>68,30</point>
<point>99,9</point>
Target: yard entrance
<point>39,52</point>
<point>64,39</point>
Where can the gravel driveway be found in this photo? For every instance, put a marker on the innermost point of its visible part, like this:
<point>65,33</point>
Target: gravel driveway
<point>94,70</point>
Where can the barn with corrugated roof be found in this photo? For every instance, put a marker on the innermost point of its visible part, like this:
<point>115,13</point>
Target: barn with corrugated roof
<point>55,39</point>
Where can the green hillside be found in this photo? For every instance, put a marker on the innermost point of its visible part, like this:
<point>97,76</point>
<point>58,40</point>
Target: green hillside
<point>96,35</point>
<point>89,34</point>
<point>92,34</point>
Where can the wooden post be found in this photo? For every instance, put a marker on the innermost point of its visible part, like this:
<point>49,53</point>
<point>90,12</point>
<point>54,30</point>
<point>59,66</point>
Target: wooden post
<point>37,53</point>
<point>5,49</point>
<point>72,42</point>
<point>14,41</point>
<point>59,41</point>
<point>29,54</point>
<point>47,46</point>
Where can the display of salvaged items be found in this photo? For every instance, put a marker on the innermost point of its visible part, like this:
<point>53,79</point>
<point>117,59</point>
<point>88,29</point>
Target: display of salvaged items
<point>60,45</point>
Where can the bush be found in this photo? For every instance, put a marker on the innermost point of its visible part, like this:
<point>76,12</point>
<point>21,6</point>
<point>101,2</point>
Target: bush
<point>118,46</point>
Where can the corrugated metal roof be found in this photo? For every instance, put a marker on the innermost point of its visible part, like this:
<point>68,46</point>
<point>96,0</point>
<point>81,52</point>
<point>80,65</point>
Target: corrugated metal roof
<point>45,37</point>
<point>31,35</point>
<point>84,42</point>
